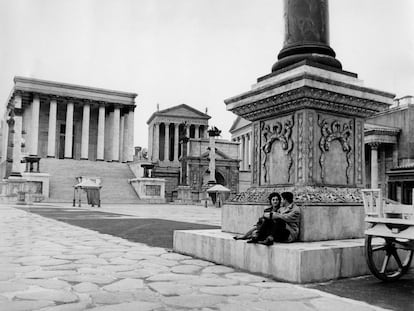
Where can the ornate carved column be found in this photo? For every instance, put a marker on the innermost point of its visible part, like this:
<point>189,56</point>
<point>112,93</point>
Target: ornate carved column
<point>51,139</point>
<point>374,165</point>
<point>69,131</point>
<point>176,142</point>
<point>85,131</point>
<point>245,152</point>
<point>35,125</point>
<point>167,142</point>
<point>115,134</point>
<point>100,145</point>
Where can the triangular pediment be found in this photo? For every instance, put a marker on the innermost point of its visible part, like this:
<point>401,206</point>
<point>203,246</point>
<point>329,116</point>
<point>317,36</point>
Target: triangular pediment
<point>181,111</point>
<point>238,124</point>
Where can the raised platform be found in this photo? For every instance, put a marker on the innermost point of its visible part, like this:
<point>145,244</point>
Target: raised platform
<point>318,222</point>
<point>301,262</point>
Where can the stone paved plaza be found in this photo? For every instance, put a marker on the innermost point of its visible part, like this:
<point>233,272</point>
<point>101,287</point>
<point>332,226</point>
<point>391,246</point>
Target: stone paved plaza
<point>50,265</point>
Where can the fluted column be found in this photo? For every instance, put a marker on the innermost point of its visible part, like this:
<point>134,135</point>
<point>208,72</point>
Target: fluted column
<point>100,145</point>
<point>374,165</point>
<point>121,138</point>
<point>150,141</point>
<point>130,144</point>
<point>125,148</point>
<point>187,134</point>
<point>51,138</point>
<point>115,134</point>
<point>17,137</point>
<point>69,131</point>
<point>197,131</point>
<point>35,125</point>
<point>176,142</point>
<point>85,131</point>
<point>156,144</point>
<point>167,142</point>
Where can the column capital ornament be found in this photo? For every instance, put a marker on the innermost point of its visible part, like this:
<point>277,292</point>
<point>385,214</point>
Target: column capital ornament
<point>374,145</point>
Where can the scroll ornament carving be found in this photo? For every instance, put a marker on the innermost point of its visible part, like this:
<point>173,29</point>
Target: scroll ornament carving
<point>330,133</point>
<point>271,134</point>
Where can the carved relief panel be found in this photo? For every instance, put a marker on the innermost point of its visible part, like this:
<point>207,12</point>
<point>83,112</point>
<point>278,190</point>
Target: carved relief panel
<point>336,150</point>
<point>277,151</point>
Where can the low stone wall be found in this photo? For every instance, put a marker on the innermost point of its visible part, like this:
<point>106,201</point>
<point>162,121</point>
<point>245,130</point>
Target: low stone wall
<point>318,222</point>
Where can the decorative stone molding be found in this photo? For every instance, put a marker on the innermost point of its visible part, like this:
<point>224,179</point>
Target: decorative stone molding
<point>307,97</point>
<point>256,153</point>
<point>301,164</point>
<point>306,195</point>
<point>330,133</point>
<point>310,145</point>
<point>277,132</point>
<point>359,164</point>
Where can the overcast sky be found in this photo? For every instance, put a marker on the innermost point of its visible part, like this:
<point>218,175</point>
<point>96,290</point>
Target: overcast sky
<point>197,52</point>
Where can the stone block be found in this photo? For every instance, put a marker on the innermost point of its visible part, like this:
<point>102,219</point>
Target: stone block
<point>318,222</point>
<point>300,262</point>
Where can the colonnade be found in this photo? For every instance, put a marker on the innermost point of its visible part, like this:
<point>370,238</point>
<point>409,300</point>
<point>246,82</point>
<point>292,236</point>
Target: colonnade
<point>245,150</point>
<point>114,141</point>
<point>164,138</point>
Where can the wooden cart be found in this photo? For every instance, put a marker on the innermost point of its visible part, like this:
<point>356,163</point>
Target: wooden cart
<point>389,237</point>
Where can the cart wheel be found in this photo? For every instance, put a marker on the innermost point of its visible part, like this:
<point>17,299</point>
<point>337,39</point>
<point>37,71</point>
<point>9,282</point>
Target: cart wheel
<point>388,260</point>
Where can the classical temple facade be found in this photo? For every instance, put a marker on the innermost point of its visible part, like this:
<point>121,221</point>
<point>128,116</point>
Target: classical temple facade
<point>178,137</point>
<point>389,155</point>
<point>59,121</point>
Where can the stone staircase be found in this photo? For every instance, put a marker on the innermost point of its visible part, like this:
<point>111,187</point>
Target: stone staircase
<point>115,186</point>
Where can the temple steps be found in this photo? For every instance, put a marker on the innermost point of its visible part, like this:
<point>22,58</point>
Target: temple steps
<point>63,173</point>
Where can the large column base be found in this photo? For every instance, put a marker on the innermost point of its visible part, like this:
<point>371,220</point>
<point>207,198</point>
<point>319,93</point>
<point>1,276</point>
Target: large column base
<point>300,262</point>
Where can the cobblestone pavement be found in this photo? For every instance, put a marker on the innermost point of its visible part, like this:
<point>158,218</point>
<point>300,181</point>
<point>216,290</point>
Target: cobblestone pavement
<point>50,265</point>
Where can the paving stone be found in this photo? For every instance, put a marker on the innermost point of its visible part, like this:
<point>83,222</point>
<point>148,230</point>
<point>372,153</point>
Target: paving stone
<point>122,261</point>
<point>25,305</point>
<point>48,294</point>
<point>135,255</point>
<point>328,304</point>
<point>146,294</point>
<point>6,275</point>
<point>197,262</point>
<point>12,286</point>
<point>150,250</point>
<point>118,268</point>
<point>104,297</point>
<point>171,277</point>
<point>217,281</point>
<point>92,278</point>
<point>41,274</point>
<point>70,266</point>
<point>49,262</point>
<point>284,293</point>
<point>267,306</point>
<point>175,256</point>
<point>158,261</point>
<point>86,287</point>
<point>193,301</point>
<point>80,306</point>
<point>50,283</point>
<point>92,261</point>
<point>230,290</point>
<point>8,266</point>
<point>270,284</point>
<point>218,269</point>
<point>73,256</point>
<point>186,269</point>
<point>139,274</point>
<point>31,259</point>
<point>245,277</point>
<point>124,285</point>
<point>130,306</point>
<point>171,288</point>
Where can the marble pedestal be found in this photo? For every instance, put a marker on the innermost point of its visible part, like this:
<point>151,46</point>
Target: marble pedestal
<point>151,190</point>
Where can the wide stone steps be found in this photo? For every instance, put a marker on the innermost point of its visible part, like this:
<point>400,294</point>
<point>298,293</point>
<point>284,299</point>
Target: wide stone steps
<point>63,173</point>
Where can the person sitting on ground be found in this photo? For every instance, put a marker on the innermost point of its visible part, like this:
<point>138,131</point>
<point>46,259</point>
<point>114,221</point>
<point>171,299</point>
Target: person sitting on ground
<point>274,201</point>
<point>280,226</point>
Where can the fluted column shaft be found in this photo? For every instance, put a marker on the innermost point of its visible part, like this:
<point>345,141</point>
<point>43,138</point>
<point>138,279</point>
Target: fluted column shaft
<point>130,150</point>
<point>176,142</point>
<point>100,145</point>
<point>121,138</point>
<point>115,134</point>
<point>17,137</point>
<point>51,138</point>
<point>167,142</point>
<point>35,125</point>
<point>85,132</point>
<point>156,144</point>
<point>197,131</point>
<point>69,131</point>
<point>374,165</point>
